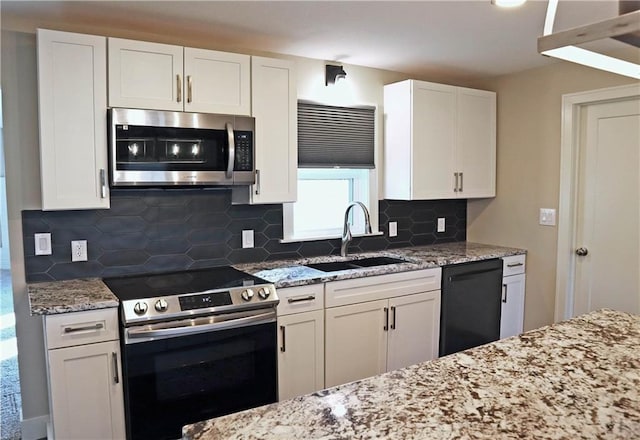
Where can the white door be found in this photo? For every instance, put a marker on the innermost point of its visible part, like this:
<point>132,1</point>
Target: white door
<point>608,213</point>
<point>414,329</point>
<point>356,342</point>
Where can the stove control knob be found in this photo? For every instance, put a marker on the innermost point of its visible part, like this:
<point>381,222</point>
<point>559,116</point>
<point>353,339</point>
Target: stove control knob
<point>140,308</point>
<point>247,295</point>
<point>264,292</point>
<point>161,305</point>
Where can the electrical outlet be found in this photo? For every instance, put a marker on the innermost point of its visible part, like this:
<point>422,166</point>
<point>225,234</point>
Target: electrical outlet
<point>79,250</point>
<point>247,238</point>
<point>393,229</point>
<point>42,243</point>
<point>441,224</point>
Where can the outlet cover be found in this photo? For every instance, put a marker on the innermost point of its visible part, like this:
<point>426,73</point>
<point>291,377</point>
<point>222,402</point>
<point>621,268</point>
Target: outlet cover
<point>79,250</point>
<point>393,229</point>
<point>547,217</point>
<point>441,224</point>
<point>42,243</point>
<point>247,238</point>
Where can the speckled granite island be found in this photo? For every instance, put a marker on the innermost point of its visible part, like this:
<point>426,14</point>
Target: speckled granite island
<point>579,379</point>
<point>50,298</point>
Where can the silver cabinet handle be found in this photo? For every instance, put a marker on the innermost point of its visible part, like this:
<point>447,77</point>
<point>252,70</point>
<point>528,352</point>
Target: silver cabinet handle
<point>257,182</point>
<point>461,182</point>
<point>96,326</point>
<point>179,87</point>
<point>515,264</point>
<point>393,317</point>
<point>504,296</point>
<point>283,347</point>
<point>455,186</point>
<point>103,183</point>
<point>386,319</point>
<point>232,150</point>
<point>189,88</point>
<point>116,376</point>
<point>301,299</point>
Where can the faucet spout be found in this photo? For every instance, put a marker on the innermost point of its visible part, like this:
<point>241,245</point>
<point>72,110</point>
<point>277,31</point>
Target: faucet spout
<point>346,232</point>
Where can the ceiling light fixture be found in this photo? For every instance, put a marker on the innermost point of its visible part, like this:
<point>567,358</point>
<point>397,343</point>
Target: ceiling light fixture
<point>508,3</point>
<point>333,74</point>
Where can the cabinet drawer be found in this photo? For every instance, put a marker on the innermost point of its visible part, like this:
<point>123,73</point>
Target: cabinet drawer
<point>513,265</point>
<point>77,328</point>
<point>300,299</point>
<point>340,293</point>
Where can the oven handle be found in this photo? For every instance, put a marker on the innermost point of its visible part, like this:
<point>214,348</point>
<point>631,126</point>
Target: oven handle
<point>232,150</point>
<point>153,333</point>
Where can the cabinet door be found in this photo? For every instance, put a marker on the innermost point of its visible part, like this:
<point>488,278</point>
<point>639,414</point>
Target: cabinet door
<point>86,392</point>
<point>72,90</point>
<point>217,82</point>
<point>300,354</point>
<point>512,313</point>
<point>145,75</point>
<point>274,102</point>
<point>434,138</point>
<point>356,342</point>
<point>414,329</point>
<point>476,144</point>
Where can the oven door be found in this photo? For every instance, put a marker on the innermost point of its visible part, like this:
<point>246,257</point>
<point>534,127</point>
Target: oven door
<point>176,379</point>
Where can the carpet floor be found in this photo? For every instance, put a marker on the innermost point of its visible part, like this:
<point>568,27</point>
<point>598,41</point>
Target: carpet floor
<point>10,403</point>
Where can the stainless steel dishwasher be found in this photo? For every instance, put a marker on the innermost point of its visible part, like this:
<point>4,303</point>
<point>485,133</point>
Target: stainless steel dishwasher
<point>470,305</point>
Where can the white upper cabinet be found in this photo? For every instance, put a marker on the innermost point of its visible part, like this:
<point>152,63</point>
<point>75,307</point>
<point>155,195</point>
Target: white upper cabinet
<point>166,77</point>
<point>72,95</point>
<point>274,104</point>
<point>440,141</point>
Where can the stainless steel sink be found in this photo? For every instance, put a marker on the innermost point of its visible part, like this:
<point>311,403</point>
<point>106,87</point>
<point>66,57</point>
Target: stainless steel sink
<point>335,266</point>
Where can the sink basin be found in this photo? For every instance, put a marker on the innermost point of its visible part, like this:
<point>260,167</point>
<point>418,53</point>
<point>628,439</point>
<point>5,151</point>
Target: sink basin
<point>335,266</point>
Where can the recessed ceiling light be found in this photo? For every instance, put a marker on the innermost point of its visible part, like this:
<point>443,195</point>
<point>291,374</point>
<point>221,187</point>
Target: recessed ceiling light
<point>508,3</point>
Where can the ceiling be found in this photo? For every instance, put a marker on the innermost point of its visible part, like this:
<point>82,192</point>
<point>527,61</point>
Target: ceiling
<point>464,39</point>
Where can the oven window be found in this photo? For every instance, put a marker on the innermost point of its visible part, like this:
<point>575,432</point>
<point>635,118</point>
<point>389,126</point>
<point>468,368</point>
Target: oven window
<point>173,382</point>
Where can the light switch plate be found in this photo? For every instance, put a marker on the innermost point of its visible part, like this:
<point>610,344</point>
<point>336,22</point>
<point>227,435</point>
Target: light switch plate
<point>547,217</point>
<point>42,243</point>
<point>441,224</point>
<point>79,250</point>
<point>393,229</point>
<point>247,238</point>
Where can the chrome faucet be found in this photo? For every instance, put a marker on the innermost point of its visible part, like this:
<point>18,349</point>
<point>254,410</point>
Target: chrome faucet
<point>346,232</point>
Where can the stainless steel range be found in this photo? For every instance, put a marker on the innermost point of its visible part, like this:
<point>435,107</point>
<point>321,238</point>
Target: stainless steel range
<point>196,344</point>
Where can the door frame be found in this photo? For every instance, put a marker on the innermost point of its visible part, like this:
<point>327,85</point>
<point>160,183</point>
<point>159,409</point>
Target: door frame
<point>573,105</point>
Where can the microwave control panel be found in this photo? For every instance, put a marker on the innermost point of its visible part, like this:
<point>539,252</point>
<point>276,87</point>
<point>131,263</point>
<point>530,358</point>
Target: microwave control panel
<point>244,151</point>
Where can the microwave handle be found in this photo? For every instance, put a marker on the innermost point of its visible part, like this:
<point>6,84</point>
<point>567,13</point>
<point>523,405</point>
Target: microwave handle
<point>232,150</point>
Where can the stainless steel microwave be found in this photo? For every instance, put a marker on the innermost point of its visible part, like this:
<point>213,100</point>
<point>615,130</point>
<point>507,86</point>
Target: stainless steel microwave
<point>160,148</point>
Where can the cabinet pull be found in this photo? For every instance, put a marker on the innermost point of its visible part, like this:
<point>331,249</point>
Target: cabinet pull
<point>114,358</point>
<point>257,182</point>
<point>189,88</point>
<point>455,186</point>
<point>283,348</point>
<point>515,264</point>
<point>386,319</point>
<point>103,183</point>
<point>179,87</point>
<point>461,182</point>
<point>504,295</point>
<point>393,317</point>
<point>301,299</point>
<point>96,326</point>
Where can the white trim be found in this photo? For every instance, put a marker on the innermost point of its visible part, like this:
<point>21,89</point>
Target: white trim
<point>572,105</point>
<point>35,428</point>
<point>330,237</point>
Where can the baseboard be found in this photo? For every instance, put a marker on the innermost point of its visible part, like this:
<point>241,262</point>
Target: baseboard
<point>35,428</point>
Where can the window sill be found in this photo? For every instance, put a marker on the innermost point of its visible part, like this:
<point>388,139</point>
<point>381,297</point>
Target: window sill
<point>329,237</point>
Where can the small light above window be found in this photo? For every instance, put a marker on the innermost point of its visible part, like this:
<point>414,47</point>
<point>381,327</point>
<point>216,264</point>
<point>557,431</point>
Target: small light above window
<point>333,74</point>
<point>508,3</point>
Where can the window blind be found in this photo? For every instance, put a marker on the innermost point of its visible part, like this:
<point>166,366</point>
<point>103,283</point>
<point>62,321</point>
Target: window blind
<point>331,136</point>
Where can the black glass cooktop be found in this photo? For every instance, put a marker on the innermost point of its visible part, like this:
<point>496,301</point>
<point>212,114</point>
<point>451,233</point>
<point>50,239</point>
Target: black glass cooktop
<point>178,283</point>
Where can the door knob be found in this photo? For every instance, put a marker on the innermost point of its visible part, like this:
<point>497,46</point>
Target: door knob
<point>582,251</point>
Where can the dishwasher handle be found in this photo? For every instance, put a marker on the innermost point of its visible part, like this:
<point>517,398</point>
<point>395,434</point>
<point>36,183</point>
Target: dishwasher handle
<point>470,274</point>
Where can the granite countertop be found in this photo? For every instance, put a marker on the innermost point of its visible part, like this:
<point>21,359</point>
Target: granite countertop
<point>288,273</point>
<point>579,379</point>
<point>52,297</point>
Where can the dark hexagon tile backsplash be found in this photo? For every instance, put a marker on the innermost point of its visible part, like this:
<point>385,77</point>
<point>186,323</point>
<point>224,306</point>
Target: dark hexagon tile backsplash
<point>164,230</point>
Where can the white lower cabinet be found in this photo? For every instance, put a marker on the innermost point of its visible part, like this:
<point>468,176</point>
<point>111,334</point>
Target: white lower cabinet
<point>84,375</point>
<point>513,290</point>
<point>300,341</point>
<point>400,327</point>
